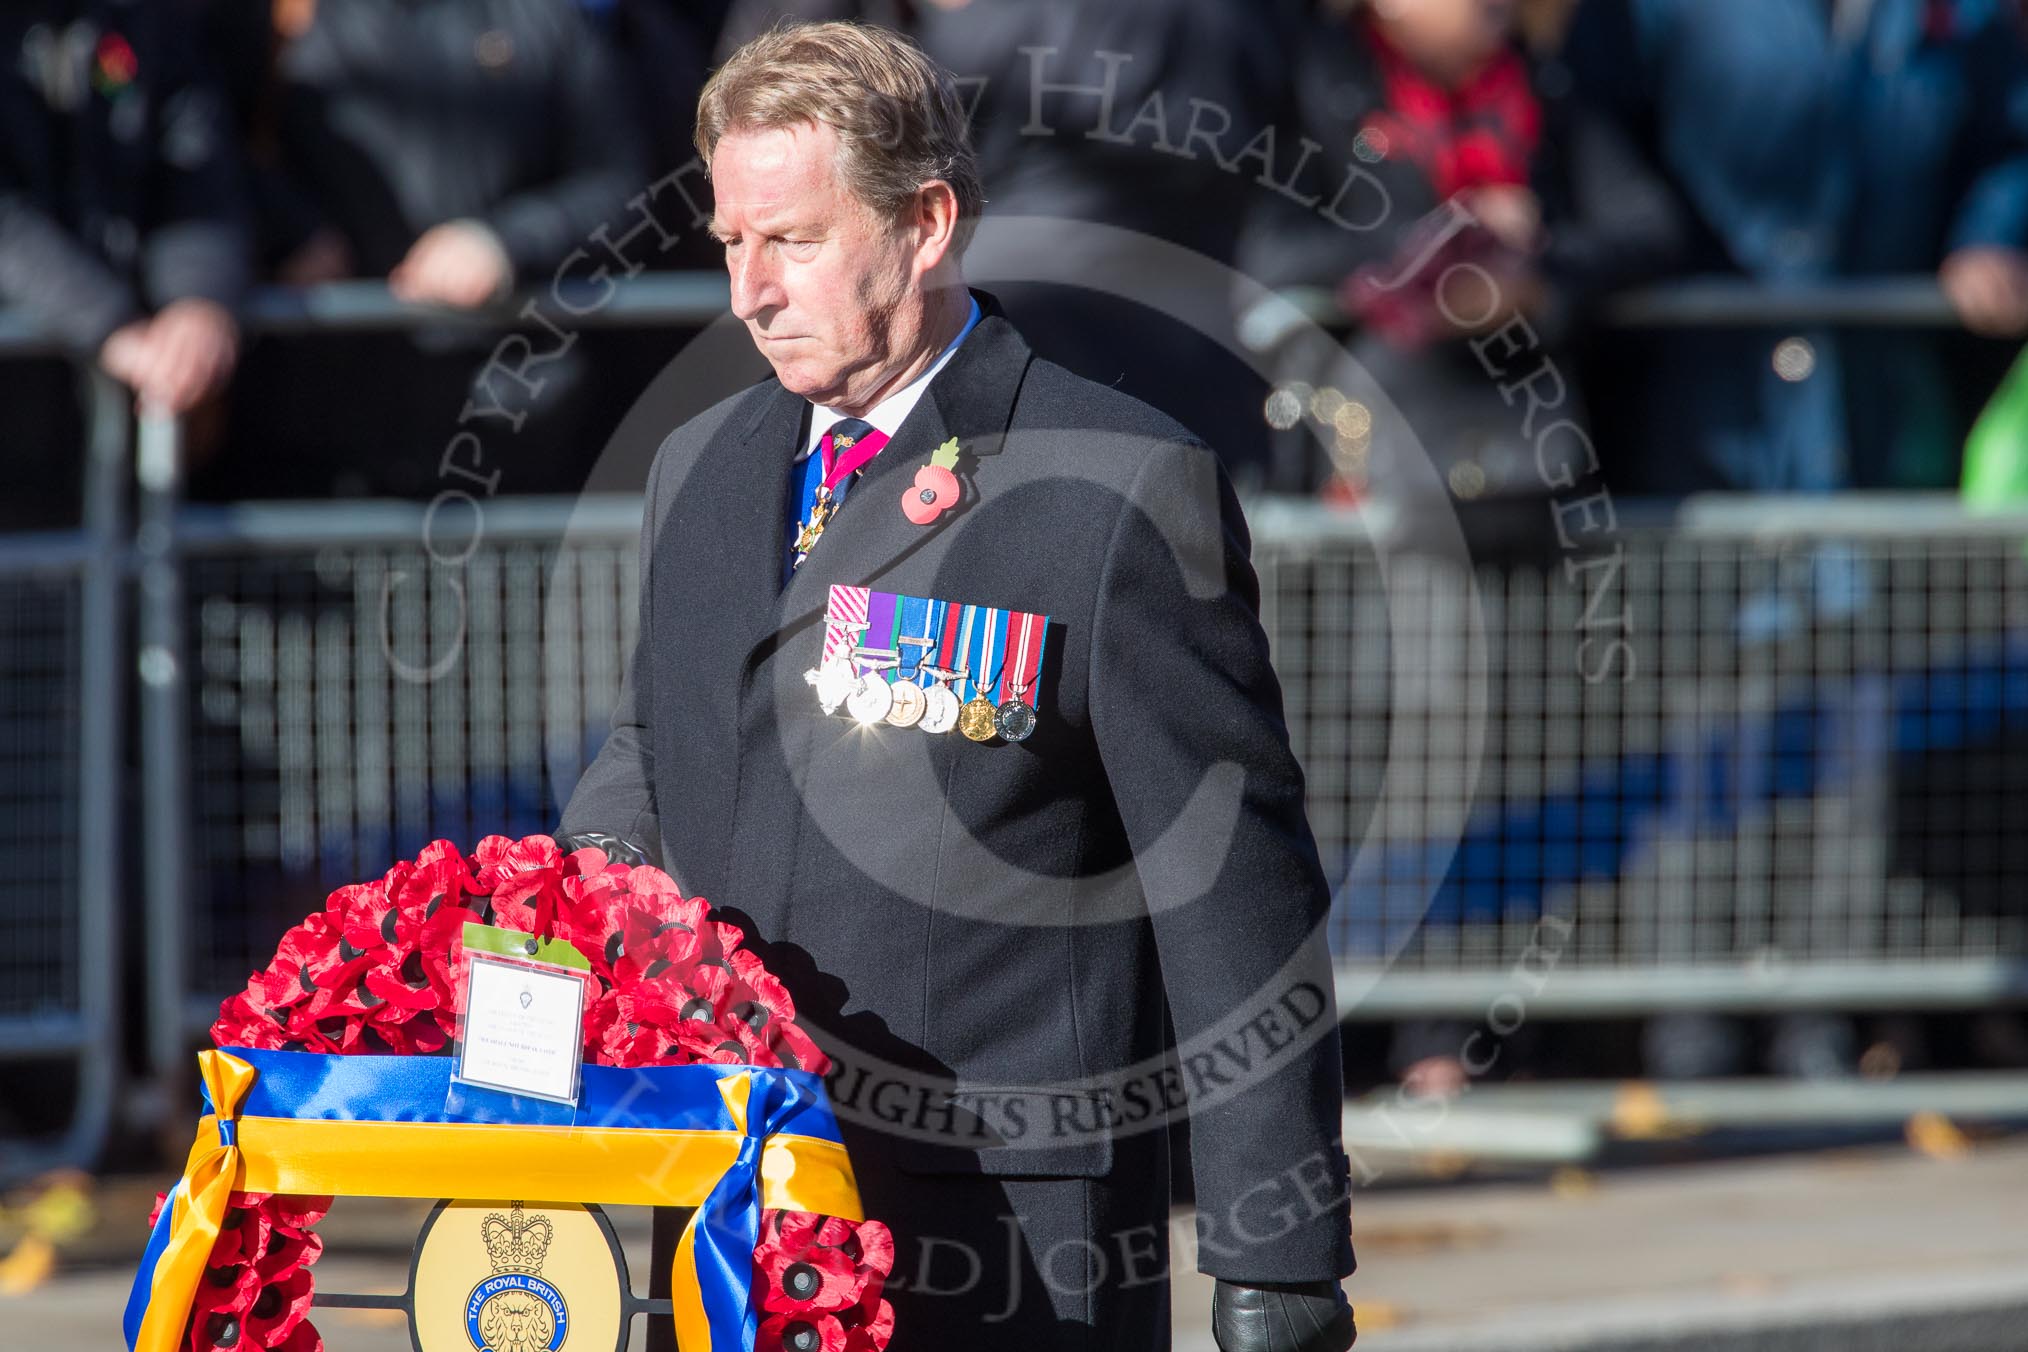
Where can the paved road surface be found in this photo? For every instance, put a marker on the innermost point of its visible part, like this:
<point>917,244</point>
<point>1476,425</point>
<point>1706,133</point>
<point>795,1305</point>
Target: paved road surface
<point>1861,1249</point>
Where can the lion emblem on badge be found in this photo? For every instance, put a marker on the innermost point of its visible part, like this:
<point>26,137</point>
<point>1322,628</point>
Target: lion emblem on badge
<point>514,1310</point>
<point>516,1321</point>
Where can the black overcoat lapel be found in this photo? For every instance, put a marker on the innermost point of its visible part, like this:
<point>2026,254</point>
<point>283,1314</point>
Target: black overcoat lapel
<point>972,399</point>
<point>741,503</point>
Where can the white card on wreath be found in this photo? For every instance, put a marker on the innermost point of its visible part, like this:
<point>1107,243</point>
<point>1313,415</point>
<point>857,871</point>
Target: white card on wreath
<point>523,1029</point>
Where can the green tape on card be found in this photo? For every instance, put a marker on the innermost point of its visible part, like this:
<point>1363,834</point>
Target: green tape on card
<point>508,943</point>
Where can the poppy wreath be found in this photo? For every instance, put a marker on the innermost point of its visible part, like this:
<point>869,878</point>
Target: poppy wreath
<point>379,971</point>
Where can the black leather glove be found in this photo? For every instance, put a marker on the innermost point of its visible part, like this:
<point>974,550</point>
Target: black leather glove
<point>619,849</point>
<point>1281,1317</point>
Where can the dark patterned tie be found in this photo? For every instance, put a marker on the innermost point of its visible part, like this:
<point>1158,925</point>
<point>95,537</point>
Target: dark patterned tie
<point>850,443</point>
<point>845,449</point>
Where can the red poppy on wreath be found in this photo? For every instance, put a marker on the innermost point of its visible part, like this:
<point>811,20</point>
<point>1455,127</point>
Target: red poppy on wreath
<point>790,1277</point>
<point>218,1312</point>
<point>525,879</point>
<point>818,1279</point>
<point>257,1285</point>
<point>247,1240</point>
<point>874,1326</point>
<point>768,997</point>
<point>323,967</point>
<point>379,970</point>
<point>240,1024</point>
<point>293,1249</point>
<point>596,899</point>
<point>279,1309</point>
<point>660,940</point>
<point>868,1242</point>
<point>812,1332</point>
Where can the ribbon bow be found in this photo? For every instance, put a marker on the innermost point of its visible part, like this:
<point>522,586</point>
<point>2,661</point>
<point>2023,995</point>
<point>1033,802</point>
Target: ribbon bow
<point>195,1212</point>
<point>715,1308</point>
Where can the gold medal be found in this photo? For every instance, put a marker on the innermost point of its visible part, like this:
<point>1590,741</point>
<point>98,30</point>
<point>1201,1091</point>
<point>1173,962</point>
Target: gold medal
<point>820,516</point>
<point>976,719</point>
<point>909,704</point>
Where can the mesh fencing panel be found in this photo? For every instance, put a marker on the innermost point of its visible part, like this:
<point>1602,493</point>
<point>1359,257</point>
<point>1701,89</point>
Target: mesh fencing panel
<point>1817,757</point>
<point>353,702</point>
<point>1807,750</point>
<point>40,714</point>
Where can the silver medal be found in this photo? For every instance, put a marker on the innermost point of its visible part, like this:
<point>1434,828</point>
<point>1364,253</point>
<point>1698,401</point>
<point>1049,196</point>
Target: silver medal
<point>1014,720</point>
<point>834,682</point>
<point>872,699</point>
<point>939,710</point>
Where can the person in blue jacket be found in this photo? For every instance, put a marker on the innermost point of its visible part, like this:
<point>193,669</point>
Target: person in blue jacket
<point>1812,140</point>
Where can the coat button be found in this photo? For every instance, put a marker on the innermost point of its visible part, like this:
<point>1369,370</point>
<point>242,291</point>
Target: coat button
<point>1467,479</point>
<point>494,48</point>
<point>1795,359</point>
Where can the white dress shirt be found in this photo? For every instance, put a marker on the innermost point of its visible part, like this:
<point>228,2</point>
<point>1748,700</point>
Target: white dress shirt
<point>887,415</point>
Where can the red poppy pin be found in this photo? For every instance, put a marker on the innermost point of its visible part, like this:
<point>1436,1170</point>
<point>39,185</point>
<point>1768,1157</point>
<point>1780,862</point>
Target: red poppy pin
<point>936,489</point>
<point>114,65</point>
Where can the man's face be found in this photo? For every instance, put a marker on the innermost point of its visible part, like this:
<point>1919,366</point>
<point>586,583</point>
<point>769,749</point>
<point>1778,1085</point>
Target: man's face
<point>822,283</point>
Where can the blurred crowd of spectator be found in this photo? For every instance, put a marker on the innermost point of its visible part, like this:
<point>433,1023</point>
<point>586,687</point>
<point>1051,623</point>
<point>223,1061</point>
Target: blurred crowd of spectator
<point>1461,182</point>
<point>1467,178</point>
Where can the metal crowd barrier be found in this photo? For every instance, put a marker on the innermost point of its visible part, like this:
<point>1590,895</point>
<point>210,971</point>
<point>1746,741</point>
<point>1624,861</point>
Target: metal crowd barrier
<point>1814,792</point>
<point>352,699</point>
<point>90,617</point>
<point>61,705</point>
<point>1805,798</point>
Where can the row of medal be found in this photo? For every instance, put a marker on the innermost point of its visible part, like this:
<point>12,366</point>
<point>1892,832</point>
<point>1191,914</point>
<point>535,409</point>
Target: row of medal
<point>911,662</point>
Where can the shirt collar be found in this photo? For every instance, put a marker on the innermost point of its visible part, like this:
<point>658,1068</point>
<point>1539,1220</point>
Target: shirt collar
<point>888,415</point>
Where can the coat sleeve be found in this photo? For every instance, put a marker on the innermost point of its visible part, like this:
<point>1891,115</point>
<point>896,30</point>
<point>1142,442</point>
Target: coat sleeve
<point>616,793</point>
<point>198,238</point>
<point>1333,211</point>
<point>598,160</point>
<point>1614,220</point>
<point>1188,718</point>
<point>1994,209</point>
<point>49,273</point>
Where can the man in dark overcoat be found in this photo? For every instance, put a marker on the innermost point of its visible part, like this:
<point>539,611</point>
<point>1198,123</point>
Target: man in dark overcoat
<point>986,927</point>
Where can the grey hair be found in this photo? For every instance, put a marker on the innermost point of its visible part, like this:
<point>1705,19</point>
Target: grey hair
<point>899,120</point>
